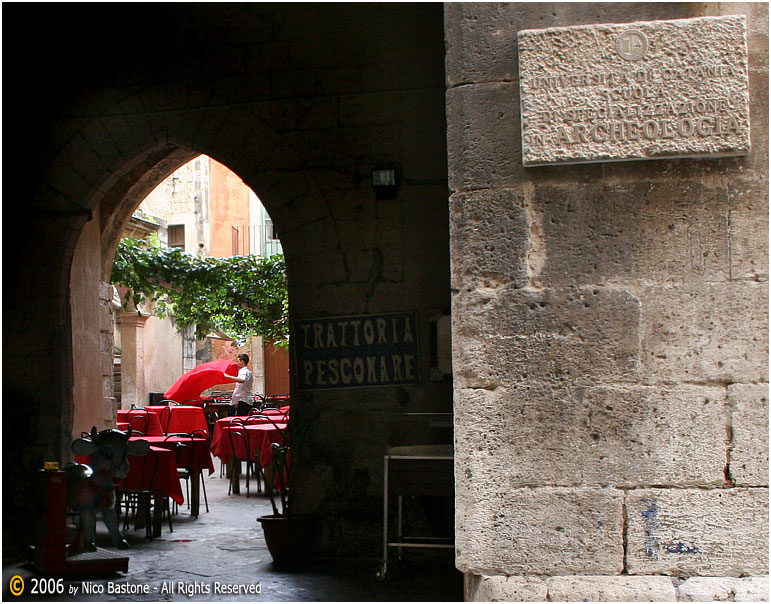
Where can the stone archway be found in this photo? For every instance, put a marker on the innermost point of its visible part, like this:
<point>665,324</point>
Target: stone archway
<point>288,194</point>
<point>303,103</point>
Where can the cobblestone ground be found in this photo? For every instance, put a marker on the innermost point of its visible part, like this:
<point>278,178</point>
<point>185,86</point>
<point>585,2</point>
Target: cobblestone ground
<point>225,547</point>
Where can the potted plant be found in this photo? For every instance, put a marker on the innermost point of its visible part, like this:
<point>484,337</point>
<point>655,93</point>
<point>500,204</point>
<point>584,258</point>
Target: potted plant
<point>287,534</point>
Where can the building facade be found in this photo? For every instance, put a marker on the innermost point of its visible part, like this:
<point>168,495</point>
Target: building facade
<point>204,209</point>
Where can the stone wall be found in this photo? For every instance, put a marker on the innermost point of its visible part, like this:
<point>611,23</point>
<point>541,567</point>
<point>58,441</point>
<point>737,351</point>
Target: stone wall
<point>610,342</point>
<point>92,337</point>
<point>182,199</point>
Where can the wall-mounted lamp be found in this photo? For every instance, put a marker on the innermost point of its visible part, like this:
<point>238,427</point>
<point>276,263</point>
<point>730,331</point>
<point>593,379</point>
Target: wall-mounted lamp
<point>385,182</point>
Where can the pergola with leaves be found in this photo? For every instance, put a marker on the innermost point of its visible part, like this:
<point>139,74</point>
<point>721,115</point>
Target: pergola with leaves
<point>242,296</point>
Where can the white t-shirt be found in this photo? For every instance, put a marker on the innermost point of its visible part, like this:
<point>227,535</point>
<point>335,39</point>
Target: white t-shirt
<point>243,390</point>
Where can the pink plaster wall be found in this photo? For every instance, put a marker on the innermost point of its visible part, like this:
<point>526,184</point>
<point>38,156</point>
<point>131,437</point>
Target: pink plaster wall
<point>228,207</point>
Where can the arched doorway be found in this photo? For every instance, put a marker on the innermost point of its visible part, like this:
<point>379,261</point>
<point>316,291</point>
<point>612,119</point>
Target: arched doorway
<point>305,129</point>
<point>205,211</point>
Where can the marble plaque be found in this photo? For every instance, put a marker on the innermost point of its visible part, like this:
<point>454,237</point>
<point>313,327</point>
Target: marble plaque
<point>646,90</point>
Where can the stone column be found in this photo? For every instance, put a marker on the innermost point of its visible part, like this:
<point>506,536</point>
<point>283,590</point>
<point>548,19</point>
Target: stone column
<point>132,359</point>
<point>189,349</point>
<point>257,358</point>
<point>106,355</point>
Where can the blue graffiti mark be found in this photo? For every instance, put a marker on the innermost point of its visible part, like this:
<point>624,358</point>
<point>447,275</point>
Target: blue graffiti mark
<point>650,523</point>
<point>652,510</point>
<point>682,549</point>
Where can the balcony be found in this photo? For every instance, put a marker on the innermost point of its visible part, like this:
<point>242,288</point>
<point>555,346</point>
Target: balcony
<point>257,239</point>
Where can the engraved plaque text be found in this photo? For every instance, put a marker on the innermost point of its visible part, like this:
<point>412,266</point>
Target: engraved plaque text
<point>645,90</point>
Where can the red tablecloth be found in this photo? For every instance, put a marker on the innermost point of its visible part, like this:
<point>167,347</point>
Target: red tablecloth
<point>199,446</point>
<point>275,412</point>
<point>180,418</point>
<point>192,383</point>
<point>144,420</point>
<point>141,472</point>
<point>259,435</point>
<point>166,478</point>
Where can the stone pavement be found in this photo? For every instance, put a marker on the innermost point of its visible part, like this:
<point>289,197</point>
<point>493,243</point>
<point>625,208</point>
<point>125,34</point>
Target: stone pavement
<point>226,546</point>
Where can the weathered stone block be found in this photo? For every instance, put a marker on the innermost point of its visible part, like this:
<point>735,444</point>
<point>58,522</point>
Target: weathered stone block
<point>611,589</point>
<point>586,335</point>
<point>748,230</point>
<point>540,357</point>
<point>723,589</point>
<point>504,589</point>
<point>639,90</point>
<point>721,532</point>
<point>537,531</point>
<point>661,230</point>
<point>481,35</point>
<point>106,320</point>
<point>108,388</point>
<point>749,425</point>
<point>536,434</point>
<point>592,313</point>
<point>705,333</point>
<point>489,233</point>
<point>483,136</point>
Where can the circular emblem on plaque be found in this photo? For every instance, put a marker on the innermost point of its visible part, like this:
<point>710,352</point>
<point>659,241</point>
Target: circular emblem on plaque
<point>632,45</point>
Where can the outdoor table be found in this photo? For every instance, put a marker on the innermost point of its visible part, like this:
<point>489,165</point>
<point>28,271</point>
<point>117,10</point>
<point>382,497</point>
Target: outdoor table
<point>220,407</point>
<point>277,414</point>
<point>166,479</point>
<point>201,461</point>
<point>259,437</point>
<point>214,410</point>
<point>136,418</point>
<point>180,418</point>
<point>157,409</point>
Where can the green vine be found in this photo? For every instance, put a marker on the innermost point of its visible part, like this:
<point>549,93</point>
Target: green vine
<point>242,296</point>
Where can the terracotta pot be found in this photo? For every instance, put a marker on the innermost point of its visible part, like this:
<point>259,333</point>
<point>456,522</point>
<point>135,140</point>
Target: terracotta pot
<point>288,537</point>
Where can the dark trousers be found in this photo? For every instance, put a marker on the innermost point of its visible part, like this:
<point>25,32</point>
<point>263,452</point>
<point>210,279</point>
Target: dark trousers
<point>243,408</point>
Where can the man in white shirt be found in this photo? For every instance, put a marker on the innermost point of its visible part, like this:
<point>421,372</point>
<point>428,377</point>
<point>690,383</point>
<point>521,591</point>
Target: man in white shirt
<point>241,401</point>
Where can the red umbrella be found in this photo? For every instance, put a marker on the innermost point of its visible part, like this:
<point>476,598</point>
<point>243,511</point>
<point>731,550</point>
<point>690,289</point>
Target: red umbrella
<point>190,385</point>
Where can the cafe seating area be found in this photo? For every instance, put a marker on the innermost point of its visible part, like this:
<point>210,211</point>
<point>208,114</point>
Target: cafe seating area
<point>227,545</point>
<point>184,438</point>
<point>158,514</point>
